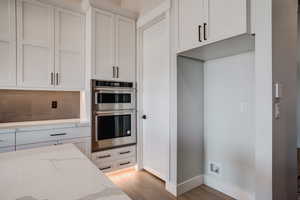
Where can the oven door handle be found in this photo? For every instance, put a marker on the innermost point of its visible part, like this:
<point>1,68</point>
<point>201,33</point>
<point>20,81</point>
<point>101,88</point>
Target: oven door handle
<point>107,113</point>
<point>115,90</point>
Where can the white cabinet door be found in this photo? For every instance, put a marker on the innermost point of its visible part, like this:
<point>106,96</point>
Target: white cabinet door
<point>104,45</point>
<point>69,50</point>
<point>8,71</point>
<point>125,48</point>
<point>227,18</point>
<point>192,15</point>
<point>35,44</point>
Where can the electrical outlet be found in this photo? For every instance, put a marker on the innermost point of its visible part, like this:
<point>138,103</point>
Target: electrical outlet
<point>54,104</point>
<point>214,168</point>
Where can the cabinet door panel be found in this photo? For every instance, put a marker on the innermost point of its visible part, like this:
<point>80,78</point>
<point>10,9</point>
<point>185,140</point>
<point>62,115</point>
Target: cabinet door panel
<point>69,50</point>
<point>36,66</point>
<point>35,47</point>
<point>5,15</point>
<point>36,23</point>
<point>7,43</point>
<point>225,23</point>
<point>71,71</point>
<point>104,39</point>
<point>191,16</point>
<point>125,48</point>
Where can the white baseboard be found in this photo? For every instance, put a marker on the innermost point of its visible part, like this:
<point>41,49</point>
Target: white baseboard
<point>227,188</point>
<point>172,188</point>
<point>189,184</point>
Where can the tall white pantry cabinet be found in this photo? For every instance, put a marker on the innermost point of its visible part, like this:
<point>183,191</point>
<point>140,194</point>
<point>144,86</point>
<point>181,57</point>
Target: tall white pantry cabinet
<point>111,43</point>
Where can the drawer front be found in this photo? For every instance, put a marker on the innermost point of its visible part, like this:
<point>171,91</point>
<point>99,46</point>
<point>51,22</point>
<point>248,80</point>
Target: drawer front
<point>70,133</point>
<point>23,138</point>
<point>36,145</point>
<point>106,166</point>
<point>125,152</point>
<point>124,163</point>
<point>7,140</point>
<point>114,154</point>
<point>103,156</point>
<point>7,149</point>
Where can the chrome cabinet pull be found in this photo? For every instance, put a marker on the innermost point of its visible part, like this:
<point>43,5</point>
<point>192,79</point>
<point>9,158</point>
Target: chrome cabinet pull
<point>52,78</point>
<point>104,168</point>
<point>106,156</point>
<point>118,72</point>
<point>121,164</point>
<point>58,134</point>
<point>114,72</point>
<point>205,28</point>
<point>125,152</point>
<point>57,78</point>
<point>199,33</point>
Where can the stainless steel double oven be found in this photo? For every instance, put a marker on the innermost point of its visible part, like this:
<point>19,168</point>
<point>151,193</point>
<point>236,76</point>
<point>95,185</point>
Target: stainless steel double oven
<point>113,114</point>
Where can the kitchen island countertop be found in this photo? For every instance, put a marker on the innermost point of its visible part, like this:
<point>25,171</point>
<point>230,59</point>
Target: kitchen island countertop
<point>54,173</point>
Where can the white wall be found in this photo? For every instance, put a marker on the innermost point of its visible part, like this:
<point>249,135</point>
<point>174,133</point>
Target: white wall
<point>229,135</point>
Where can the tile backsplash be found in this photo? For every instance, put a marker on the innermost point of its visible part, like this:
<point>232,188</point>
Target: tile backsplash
<point>20,105</point>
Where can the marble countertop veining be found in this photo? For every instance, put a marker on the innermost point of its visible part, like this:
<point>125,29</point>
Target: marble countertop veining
<point>54,173</point>
<point>14,125</point>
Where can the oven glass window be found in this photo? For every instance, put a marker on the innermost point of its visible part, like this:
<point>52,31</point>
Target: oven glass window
<point>114,126</point>
<point>113,98</point>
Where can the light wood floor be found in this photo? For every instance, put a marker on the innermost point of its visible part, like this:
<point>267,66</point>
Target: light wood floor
<point>140,185</point>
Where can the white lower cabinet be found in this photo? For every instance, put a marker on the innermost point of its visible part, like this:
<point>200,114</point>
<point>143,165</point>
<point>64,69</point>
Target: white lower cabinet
<point>7,140</point>
<point>33,138</point>
<point>115,159</point>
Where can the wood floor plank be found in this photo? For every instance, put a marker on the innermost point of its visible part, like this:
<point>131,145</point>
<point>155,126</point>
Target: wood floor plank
<point>140,185</point>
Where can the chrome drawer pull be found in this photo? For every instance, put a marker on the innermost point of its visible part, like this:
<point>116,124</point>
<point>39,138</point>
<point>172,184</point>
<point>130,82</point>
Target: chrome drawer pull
<point>104,168</point>
<point>125,163</point>
<point>106,156</point>
<point>125,152</point>
<point>58,134</point>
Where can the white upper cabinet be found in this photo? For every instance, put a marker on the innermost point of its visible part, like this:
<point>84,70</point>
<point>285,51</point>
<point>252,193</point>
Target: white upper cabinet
<point>50,47</point>
<point>69,50</point>
<point>125,48</point>
<point>7,43</point>
<point>35,44</point>
<point>104,41</point>
<point>225,23</point>
<point>192,18</point>
<point>113,46</point>
<point>203,22</point>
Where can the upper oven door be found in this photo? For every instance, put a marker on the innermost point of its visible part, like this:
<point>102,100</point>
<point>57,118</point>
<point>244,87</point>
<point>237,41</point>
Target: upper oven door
<point>114,99</point>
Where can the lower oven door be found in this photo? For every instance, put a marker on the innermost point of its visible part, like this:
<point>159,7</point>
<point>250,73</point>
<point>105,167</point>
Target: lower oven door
<point>113,129</point>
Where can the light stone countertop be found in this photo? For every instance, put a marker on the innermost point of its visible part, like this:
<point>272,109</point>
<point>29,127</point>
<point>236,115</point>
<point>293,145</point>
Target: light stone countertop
<point>14,125</point>
<point>54,173</point>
